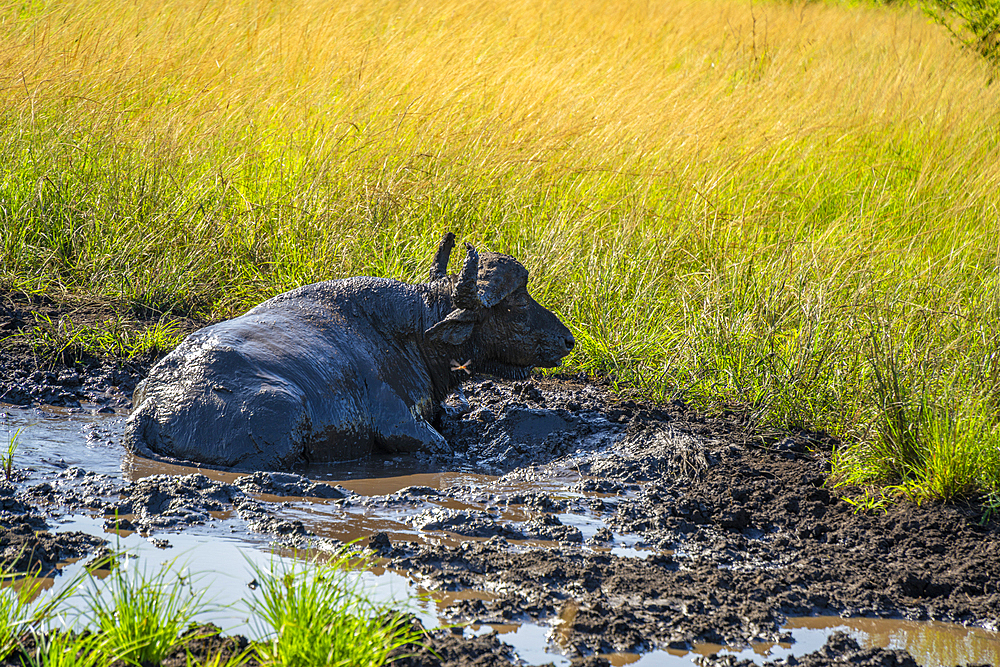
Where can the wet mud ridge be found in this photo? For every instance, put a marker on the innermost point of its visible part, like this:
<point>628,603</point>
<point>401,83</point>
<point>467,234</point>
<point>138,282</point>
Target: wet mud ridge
<point>621,526</point>
<point>26,545</point>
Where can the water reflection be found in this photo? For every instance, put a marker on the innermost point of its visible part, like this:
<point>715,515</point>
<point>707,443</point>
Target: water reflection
<point>225,566</point>
<point>931,643</point>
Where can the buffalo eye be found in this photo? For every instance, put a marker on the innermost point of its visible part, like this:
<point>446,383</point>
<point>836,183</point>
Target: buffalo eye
<point>517,312</point>
<point>518,299</point>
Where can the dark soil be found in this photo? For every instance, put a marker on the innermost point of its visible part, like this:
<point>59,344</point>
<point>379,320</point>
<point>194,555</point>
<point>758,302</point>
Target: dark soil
<point>740,529</point>
<point>25,545</point>
<point>743,530</point>
<point>41,363</point>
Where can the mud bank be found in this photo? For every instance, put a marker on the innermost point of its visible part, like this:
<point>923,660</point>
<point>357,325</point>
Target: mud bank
<point>26,545</point>
<point>738,533</point>
<point>620,525</point>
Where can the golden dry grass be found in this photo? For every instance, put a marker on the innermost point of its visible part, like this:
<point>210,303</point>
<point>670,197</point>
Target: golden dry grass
<point>565,85</point>
<point>775,205</point>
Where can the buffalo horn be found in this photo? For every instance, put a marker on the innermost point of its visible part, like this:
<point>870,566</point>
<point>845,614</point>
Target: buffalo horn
<point>499,276</point>
<point>439,267</point>
<point>466,294</point>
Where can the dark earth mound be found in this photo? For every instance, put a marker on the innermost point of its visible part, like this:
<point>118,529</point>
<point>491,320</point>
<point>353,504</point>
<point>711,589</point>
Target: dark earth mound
<point>732,530</point>
<point>26,545</point>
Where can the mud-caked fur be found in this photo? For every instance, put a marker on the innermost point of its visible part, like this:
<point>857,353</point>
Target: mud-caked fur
<point>339,369</point>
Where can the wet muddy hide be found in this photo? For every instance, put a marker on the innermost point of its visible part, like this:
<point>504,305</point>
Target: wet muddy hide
<point>341,369</point>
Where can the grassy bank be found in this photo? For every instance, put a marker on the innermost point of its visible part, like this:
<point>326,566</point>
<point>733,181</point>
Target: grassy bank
<point>788,207</point>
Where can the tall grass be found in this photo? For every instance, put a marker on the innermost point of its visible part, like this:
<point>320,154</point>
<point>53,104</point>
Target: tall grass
<point>18,611</point>
<point>7,458</point>
<point>785,206</point>
<point>66,341</point>
<point>64,649</point>
<point>24,607</point>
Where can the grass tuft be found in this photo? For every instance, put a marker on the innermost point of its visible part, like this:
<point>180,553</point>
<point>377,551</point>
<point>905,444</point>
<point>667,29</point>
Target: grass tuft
<point>66,342</point>
<point>24,607</point>
<point>316,615</point>
<point>311,614</point>
<point>142,618</point>
<point>7,458</point>
<point>66,649</point>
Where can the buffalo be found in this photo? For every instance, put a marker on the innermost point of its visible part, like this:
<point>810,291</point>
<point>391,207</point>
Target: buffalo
<point>340,369</point>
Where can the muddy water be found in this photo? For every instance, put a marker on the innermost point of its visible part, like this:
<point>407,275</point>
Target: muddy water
<point>931,644</point>
<point>225,564</point>
<point>53,439</point>
<point>402,497</point>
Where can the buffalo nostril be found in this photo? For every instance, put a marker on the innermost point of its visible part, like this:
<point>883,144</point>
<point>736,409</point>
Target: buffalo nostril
<point>570,343</point>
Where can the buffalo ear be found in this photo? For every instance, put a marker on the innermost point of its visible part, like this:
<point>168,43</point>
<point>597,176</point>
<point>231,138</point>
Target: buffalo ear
<point>454,329</point>
<point>499,277</point>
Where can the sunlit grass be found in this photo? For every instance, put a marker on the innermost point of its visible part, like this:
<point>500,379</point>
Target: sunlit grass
<point>7,458</point>
<point>17,613</point>
<point>309,613</point>
<point>317,615</point>
<point>24,607</point>
<point>142,617</point>
<point>766,205</point>
<point>66,649</point>
<point>68,342</point>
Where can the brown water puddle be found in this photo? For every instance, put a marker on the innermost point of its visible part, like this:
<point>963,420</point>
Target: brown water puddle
<point>444,599</point>
<point>358,524</point>
<point>353,520</point>
<point>377,477</point>
<point>136,467</point>
<point>382,486</point>
<point>929,642</point>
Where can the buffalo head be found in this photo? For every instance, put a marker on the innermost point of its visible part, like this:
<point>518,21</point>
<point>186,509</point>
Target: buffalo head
<point>494,321</point>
